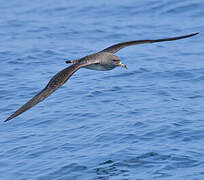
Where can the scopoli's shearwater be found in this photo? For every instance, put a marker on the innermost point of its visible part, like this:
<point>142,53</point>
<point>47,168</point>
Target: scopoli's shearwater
<point>103,60</point>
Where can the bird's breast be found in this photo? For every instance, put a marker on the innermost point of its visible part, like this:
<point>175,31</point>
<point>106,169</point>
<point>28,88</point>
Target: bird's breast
<point>99,67</point>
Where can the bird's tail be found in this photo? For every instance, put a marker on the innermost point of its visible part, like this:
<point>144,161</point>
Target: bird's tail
<point>68,61</point>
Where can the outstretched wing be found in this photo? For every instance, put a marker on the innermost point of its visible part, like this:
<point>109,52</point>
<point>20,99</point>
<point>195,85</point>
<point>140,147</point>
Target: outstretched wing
<point>57,81</point>
<point>115,48</point>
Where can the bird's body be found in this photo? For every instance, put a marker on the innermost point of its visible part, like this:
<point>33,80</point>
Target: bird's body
<point>99,61</point>
<point>102,61</point>
<point>99,67</point>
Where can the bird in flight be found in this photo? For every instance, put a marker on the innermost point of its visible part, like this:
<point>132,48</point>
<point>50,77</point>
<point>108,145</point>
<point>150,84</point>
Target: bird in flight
<point>102,61</point>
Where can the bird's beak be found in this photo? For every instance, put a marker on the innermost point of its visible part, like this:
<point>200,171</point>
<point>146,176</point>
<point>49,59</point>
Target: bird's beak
<point>122,65</point>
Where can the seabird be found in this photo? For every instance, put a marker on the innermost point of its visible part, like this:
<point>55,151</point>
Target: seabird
<point>102,61</point>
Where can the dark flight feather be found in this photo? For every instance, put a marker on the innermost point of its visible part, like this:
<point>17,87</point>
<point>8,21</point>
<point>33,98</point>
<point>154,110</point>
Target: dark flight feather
<point>116,47</point>
<point>57,81</point>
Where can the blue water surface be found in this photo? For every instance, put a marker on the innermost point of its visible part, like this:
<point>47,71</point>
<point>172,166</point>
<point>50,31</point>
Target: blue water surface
<point>142,123</point>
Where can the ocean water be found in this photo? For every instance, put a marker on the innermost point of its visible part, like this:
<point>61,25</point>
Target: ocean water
<point>143,123</point>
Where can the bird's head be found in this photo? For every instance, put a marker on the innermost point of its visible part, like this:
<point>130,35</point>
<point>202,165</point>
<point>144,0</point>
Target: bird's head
<point>116,61</point>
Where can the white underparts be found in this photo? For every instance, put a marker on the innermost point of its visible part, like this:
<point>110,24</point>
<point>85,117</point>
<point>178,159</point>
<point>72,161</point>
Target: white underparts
<point>98,67</point>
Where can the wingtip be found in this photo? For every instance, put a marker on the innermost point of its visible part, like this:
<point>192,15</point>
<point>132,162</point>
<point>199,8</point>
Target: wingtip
<point>195,34</point>
<point>192,34</point>
<point>7,119</point>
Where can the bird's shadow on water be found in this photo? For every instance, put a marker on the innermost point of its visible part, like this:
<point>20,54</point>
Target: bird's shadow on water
<point>122,169</point>
<point>114,167</point>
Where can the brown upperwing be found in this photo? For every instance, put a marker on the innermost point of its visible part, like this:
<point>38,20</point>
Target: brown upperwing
<point>57,81</point>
